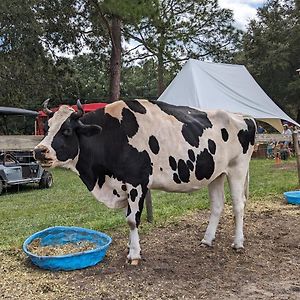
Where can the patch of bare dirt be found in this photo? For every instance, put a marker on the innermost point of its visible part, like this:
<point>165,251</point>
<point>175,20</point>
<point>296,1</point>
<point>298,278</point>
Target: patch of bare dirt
<point>176,267</point>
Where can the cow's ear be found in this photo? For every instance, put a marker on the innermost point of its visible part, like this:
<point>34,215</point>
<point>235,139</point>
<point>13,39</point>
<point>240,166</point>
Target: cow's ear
<point>88,130</point>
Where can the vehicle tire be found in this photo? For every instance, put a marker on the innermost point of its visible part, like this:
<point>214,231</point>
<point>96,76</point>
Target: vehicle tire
<point>1,186</point>
<point>46,180</point>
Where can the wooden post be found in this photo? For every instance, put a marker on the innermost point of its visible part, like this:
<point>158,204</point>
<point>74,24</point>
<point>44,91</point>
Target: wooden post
<point>149,209</point>
<point>297,153</point>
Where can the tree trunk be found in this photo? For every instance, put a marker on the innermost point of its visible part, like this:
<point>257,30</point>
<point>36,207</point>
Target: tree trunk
<point>115,60</point>
<point>160,75</point>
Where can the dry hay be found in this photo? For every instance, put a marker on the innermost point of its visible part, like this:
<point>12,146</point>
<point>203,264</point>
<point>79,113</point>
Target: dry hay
<point>36,248</point>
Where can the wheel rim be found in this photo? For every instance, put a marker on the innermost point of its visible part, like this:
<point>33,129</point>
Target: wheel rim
<point>50,181</point>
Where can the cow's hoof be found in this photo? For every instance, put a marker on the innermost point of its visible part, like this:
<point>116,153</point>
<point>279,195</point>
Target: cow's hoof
<point>238,248</point>
<point>206,244</point>
<point>135,262</point>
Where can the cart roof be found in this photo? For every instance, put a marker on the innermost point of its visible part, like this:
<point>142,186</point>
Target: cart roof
<point>17,111</point>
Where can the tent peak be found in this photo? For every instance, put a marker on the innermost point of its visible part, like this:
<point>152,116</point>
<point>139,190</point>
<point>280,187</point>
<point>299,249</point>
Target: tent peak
<point>202,62</point>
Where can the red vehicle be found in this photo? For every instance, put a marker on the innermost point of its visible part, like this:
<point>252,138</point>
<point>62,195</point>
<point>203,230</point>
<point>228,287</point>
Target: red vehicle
<point>42,117</point>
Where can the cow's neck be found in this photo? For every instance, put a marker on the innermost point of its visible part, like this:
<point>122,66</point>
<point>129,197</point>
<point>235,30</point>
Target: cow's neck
<point>90,166</point>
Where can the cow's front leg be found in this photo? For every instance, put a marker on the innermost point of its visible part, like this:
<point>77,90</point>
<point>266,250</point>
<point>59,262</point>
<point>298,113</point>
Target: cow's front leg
<point>136,197</point>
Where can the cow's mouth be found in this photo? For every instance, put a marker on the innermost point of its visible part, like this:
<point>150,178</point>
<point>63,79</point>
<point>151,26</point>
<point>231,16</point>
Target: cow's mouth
<point>46,162</point>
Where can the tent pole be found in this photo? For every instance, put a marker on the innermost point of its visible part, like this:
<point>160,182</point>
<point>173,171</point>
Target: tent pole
<point>149,207</point>
<point>297,153</point>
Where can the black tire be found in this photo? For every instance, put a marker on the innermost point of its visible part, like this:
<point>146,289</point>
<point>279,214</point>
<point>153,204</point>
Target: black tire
<point>46,180</point>
<point>1,186</point>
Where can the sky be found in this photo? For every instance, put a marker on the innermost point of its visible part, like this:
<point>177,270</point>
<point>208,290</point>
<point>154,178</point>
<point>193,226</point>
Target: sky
<point>243,10</point>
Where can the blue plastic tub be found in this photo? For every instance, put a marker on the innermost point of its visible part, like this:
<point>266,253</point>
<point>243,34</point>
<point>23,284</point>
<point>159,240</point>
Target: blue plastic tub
<point>60,235</point>
<point>292,197</point>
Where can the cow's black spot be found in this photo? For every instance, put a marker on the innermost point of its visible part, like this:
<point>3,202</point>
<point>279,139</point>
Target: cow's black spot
<point>153,144</point>
<point>101,181</point>
<point>123,187</point>
<point>136,106</point>
<point>129,122</point>
<point>194,121</point>
<point>141,205</point>
<point>115,192</point>
<point>205,165</point>
<point>247,136</point>
<point>190,165</point>
<point>128,210</point>
<point>225,134</point>
<point>183,171</point>
<point>161,168</point>
<point>172,163</point>
<point>137,218</point>
<point>59,141</point>
<point>191,155</point>
<point>176,178</point>
<point>211,146</point>
<point>133,193</point>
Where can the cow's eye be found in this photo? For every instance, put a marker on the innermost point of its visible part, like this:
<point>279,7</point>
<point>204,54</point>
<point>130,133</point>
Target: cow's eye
<point>67,132</point>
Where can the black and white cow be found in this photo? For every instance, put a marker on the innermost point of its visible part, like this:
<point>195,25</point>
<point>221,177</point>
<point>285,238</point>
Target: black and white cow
<point>126,148</point>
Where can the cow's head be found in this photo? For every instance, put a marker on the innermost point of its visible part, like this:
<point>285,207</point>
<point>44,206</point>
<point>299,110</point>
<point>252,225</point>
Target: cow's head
<point>60,146</point>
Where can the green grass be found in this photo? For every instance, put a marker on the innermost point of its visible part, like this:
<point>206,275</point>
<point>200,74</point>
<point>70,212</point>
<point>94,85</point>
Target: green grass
<point>69,203</point>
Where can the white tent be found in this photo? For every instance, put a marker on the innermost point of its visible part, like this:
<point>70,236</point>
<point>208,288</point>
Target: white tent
<point>207,85</point>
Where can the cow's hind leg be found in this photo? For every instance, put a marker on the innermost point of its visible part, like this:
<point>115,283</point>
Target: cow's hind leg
<point>238,183</point>
<point>216,194</point>
<point>136,197</point>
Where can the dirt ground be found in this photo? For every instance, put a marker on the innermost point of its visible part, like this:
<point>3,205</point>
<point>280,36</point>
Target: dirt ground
<point>176,267</point>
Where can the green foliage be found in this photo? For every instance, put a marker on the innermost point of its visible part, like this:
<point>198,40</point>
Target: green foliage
<point>22,57</point>
<point>91,77</point>
<point>271,48</point>
<point>29,73</point>
<point>69,203</point>
<point>140,81</point>
<point>128,11</point>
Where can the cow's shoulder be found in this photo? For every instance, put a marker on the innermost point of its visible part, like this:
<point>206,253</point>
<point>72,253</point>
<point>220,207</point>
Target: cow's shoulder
<point>115,109</point>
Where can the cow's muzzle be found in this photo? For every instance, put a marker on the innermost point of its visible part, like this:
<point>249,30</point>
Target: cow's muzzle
<point>40,153</point>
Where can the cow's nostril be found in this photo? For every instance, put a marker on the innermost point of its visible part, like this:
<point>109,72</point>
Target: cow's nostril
<point>39,153</point>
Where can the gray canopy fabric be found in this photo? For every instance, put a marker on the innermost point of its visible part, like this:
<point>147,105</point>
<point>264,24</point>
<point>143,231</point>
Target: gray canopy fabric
<point>210,86</point>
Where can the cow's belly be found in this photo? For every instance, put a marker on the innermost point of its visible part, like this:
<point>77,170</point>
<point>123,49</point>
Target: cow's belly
<point>165,182</point>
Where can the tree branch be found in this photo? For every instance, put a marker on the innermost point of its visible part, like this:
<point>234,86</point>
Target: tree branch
<point>132,49</point>
<point>139,57</point>
<point>141,40</point>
